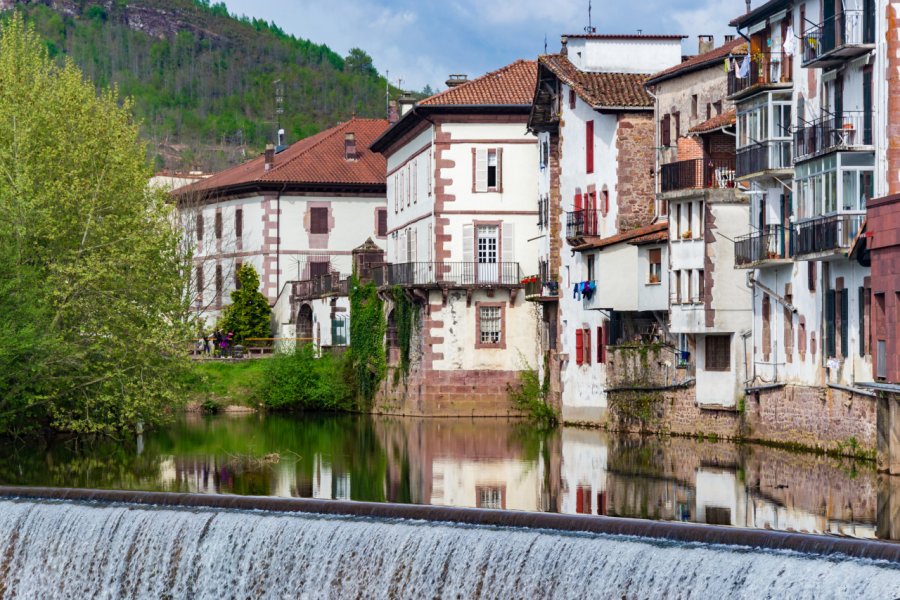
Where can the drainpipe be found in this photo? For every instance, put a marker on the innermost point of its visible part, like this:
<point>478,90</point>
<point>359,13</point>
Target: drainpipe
<point>655,153</point>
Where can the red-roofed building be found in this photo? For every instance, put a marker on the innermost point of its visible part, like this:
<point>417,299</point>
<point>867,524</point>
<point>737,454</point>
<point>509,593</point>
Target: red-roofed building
<point>600,272</point>
<point>295,213</point>
<point>462,209</point>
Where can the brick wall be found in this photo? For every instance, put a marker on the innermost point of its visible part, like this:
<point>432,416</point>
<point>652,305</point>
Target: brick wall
<point>635,143</point>
<point>892,77</point>
<point>883,225</point>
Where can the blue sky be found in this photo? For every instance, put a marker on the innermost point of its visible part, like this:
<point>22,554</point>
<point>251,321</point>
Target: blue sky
<point>421,42</point>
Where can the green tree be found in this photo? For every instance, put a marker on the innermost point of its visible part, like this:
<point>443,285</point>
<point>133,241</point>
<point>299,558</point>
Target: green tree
<point>90,301</point>
<point>248,315</point>
<point>358,61</point>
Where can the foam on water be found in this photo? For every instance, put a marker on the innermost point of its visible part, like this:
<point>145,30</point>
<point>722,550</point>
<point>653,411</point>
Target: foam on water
<point>76,550</point>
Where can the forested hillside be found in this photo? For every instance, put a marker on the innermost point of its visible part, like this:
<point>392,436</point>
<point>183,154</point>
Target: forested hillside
<point>204,82</point>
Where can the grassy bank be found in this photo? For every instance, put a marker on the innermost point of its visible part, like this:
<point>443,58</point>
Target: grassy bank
<point>223,383</point>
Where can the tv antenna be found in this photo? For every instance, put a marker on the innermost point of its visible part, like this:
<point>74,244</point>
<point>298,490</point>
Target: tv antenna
<point>590,26</point>
<point>279,104</point>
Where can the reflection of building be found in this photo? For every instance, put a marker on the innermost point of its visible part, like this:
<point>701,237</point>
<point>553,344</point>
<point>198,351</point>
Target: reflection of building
<point>513,484</point>
<point>583,467</point>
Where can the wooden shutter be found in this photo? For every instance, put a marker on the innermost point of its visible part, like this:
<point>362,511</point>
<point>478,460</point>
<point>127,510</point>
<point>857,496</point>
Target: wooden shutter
<point>665,130</point>
<point>718,352</point>
<point>861,311</point>
<point>578,205</point>
<point>845,323</point>
<point>656,256</point>
<point>507,247</point>
<point>239,222</point>
<point>587,346</point>
<point>428,174</point>
<point>811,276</point>
<point>318,217</point>
<point>589,145</point>
<point>579,346</point>
<point>602,341</point>
<point>382,222</point>
<point>468,243</point>
<point>830,346</point>
<point>480,175</point>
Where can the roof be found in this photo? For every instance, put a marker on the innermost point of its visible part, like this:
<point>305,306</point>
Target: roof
<point>508,86</point>
<point>726,119</point>
<point>600,90</point>
<point>658,231</point>
<point>759,13</point>
<point>714,57</point>
<point>626,36</point>
<point>317,161</point>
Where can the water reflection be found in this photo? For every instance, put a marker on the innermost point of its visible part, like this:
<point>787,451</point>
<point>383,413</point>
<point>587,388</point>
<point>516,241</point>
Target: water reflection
<point>481,463</point>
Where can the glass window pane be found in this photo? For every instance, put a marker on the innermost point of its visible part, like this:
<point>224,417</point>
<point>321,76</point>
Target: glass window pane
<point>850,191</point>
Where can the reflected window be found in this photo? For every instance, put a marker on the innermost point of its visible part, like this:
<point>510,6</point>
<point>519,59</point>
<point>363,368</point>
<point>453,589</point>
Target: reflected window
<point>490,496</point>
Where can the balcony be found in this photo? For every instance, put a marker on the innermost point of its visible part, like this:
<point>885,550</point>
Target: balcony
<point>330,284</point>
<point>767,70</point>
<point>700,173</point>
<point>772,245</point>
<point>822,237</point>
<point>831,133</point>
<point>839,38</point>
<point>583,222</point>
<point>449,274</point>
<point>764,156</point>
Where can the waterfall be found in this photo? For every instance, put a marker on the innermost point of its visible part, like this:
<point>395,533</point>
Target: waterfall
<point>51,549</point>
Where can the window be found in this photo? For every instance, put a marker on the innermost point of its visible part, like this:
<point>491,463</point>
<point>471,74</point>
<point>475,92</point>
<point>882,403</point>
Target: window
<point>490,497</point>
<point>239,222</point>
<point>490,325</point>
<point>219,284</point>
<point>604,201</point>
<point>199,225</point>
<point>199,277</point>
<point>381,215</point>
<point>718,106</point>
<point>589,145</point>
<point>678,220</point>
<point>677,116</point>
<point>811,276</point>
<point>487,169</point>
<point>587,345</point>
<point>694,109</point>
<point>237,270</point>
<point>701,287</point>
<point>689,282</point>
<point>677,287</point>
<point>318,268</point>
<point>492,169</point>
<point>409,188</point>
<point>655,272</point>
<point>590,268</point>
<point>218,226</point>
<point>318,218</point>
<point>402,189</point>
<point>718,352</point>
<point>689,222</point>
<point>579,346</point>
<point>572,99</point>
<point>708,111</point>
<point>665,130</point>
<point>601,344</point>
<point>395,180</point>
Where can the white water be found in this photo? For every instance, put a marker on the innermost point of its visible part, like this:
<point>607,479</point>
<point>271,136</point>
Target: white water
<point>67,550</point>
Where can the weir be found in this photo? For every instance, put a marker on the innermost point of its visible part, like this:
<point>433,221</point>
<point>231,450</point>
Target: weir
<point>123,544</point>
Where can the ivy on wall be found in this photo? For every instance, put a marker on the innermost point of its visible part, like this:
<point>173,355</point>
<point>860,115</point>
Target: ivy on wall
<point>368,361</point>
<point>405,315</point>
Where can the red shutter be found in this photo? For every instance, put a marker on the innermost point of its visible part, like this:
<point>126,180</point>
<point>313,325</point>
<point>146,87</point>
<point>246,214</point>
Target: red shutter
<point>601,345</point>
<point>579,346</point>
<point>578,205</point>
<point>589,141</point>
<point>587,346</point>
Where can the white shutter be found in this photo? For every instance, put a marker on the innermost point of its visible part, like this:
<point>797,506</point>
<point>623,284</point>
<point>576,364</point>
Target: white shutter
<point>468,243</point>
<point>508,252</point>
<point>481,159</point>
<point>403,235</point>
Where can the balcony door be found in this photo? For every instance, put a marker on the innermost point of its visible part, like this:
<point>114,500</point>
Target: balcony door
<point>487,253</point>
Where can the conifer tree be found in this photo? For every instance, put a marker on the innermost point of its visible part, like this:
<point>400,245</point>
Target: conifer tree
<point>248,315</point>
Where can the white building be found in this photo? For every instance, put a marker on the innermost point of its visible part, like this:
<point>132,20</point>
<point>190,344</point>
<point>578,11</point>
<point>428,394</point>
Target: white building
<point>461,188</point>
<point>599,224</point>
<point>294,214</point>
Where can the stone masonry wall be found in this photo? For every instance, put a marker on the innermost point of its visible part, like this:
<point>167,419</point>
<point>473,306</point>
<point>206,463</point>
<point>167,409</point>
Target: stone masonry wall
<point>635,144</point>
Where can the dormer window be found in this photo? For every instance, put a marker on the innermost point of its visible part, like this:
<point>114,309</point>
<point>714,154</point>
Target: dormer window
<point>350,146</point>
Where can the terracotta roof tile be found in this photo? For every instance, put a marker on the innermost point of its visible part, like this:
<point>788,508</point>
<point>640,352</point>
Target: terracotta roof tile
<point>726,119</point>
<point>511,85</point>
<point>600,90</point>
<point>634,236</point>
<point>316,160</point>
<point>701,61</point>
<point>625,36</point>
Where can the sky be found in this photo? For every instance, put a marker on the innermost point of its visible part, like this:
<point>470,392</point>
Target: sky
<point>421,42</point>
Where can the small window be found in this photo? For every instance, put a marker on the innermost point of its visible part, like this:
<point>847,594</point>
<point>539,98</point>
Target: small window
<point>590,268</point>
<point>665,130</point>
<point>587,345</point>
<point>199,277</point>
<point>718,353</point>
<point>701,287</point>
<point>694,105</point>
<point>677,287</point>
<point>219,284</point>
<point>239,222</point>
<point>708,111</point>
<point>689,281</point>
<point>589,146</point>
<point>199,225</point>
<point>382,223</point>
<point>677,116</point>
<point>811,275</point>
<point>318,220</point>
<point>492,169</point>
<point>718,106</point>
<point>490,325</point>
<point>572,99</point>
<point>318,268</point>
<point>218,226</point>
<point>237,271</point>
<point>655,274</point>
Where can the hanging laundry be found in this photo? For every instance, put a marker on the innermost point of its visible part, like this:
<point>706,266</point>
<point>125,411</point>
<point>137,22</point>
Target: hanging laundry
<point>744,73</point>
<point>789,43</point>
<point>576,292</point>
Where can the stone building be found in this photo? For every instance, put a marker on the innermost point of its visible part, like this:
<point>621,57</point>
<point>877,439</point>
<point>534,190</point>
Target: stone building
<point>709,303</point>
<point>602,245</point>
<point>461,188</point>
<point>296,213</point>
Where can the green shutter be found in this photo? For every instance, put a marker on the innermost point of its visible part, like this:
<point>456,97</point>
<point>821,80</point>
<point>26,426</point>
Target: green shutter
<point>861,306</point>
<point>830,347</point>
<point>845,323</point>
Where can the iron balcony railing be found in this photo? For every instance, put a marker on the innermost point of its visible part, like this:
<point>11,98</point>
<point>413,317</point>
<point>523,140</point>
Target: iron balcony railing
<point>837,35</point>
<point>534,285</point>
<point>449,274</point>
<point>700,173</point>
<point>773,242</point>
<point>764,68</point>
<point>764,156</point>
<point>324,285</point>
<point>827,234</point>
<point>833,132</point>
<point>582,222</point>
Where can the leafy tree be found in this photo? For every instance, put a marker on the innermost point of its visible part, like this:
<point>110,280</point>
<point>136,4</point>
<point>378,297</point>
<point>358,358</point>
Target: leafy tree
<point>91,338</point>
<point>248,315</point>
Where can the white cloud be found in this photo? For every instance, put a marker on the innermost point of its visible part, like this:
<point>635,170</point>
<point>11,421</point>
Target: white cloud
<point>711,18</point>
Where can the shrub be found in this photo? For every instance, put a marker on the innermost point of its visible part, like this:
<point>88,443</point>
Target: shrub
<point>301,381</point>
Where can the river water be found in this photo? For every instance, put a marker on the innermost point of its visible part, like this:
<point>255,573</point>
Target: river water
<point>487,463</point>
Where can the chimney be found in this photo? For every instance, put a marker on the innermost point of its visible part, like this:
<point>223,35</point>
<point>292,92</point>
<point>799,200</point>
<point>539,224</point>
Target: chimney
<point>393,112</point>
<point>350,146</point>
<point>729,38</point>
<point>705,43</point>
<point>456,79</point>
<point>748,5</point>
<point>406,103</point>
<point>270,156</point>
<point>564,50</point>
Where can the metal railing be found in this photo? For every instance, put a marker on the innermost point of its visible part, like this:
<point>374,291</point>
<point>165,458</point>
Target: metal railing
<point>324,285</point>
<point>773,242</point>
<point>699,173</point>
<point>534,285</point>
<point>765,68</point>
<point>764,156</point>
<point>582,222</point>
<point>827,234</point>
<point>449,274</point>
<point>848,28</point>
<point>833,132</point>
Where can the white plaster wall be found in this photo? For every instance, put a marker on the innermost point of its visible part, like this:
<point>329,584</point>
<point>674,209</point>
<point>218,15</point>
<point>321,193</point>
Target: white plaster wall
<point>720,388</point>
<point>653,296</point>
<point>624,55</point>
<point>616,275</point>
<point>731,298</point>
<point>583,465</point>
<point>720,489</point>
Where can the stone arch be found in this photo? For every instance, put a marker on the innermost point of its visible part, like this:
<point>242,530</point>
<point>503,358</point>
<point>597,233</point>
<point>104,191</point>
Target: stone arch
<point>305,324</point>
